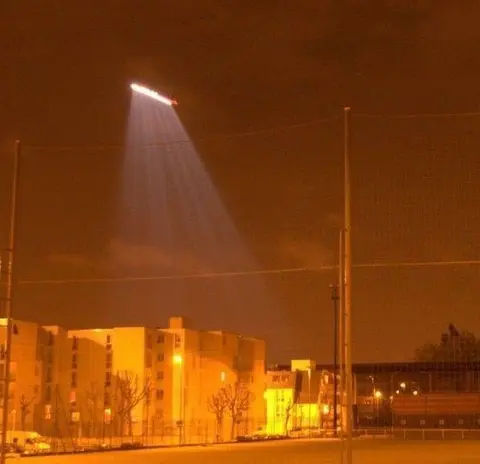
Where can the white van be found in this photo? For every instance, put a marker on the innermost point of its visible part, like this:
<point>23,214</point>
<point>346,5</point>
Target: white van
<point>28,442</point>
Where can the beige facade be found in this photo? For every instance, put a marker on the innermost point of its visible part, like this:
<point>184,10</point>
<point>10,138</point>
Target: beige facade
<point>153,383</point>
<point>298,401</point>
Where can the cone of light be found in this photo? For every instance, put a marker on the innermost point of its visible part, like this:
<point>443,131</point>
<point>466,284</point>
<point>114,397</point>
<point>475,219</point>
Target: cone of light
<point>152,94</point>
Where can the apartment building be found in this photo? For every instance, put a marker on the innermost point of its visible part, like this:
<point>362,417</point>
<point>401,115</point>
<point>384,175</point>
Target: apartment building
<point>298,399</point>
<point>132,381</point>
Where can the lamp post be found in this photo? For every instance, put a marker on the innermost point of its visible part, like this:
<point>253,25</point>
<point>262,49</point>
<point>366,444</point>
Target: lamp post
<point>347,240</point>
<point>335,297</point>
<point>9,298</point>
<point>178,362</point>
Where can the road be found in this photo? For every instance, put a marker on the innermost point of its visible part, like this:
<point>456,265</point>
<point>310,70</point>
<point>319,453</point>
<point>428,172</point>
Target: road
<point>285,452</point>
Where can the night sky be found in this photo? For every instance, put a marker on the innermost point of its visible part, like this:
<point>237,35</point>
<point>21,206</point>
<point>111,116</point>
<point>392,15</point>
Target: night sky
<point>237,67</point>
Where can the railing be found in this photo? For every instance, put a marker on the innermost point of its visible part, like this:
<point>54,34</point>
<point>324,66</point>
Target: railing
<point>419,434</point>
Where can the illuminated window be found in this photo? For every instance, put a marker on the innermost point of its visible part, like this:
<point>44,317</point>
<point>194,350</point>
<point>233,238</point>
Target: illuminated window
<point>107,416</point>
<point>441,422</point>
<point>48,411</point>
<point>422,422</point>
<point>75,416</point>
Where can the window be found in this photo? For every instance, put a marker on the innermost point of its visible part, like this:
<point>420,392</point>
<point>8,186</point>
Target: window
<point>107,416</point>
<point>160,357</point>
<point>403,422</point>
<point>148,359</point>
<point>50,339</point>
<point>48,411</point>
<point>108,379</point>
<point>74,343</point>
<point>74,380</point>
<point>149,341</point>
<point>178,341</point>
<point>460,421</point>
<point>160,375</point>
<point>441,422</point>
<point>73,397</point>
<point>74,360</point>
<point>159,394</point>
<point>109,339</point>
<point>161,338</point>
<point>106,399</point>
<point>108,360</point>
<point>422,421</point>
<point>2,351</point>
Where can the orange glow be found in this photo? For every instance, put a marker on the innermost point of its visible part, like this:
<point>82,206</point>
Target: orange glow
<point>177,359</point>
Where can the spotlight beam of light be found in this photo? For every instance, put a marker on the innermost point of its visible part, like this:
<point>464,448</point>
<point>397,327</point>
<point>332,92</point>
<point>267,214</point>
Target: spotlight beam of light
<point>152,94</point>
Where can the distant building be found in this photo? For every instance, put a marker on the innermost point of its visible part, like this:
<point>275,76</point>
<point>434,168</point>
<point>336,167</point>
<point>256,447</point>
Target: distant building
<point>297,400</point>
<point>417,394</point>
<point>139,381</point>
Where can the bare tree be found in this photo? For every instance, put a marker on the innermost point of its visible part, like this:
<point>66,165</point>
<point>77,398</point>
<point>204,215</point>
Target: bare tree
<point>130,393</point>
<point>288,413</point>
<point>25,409</point>
<point>218,404</point>
<point>92,396</point>
<point>238,398</point>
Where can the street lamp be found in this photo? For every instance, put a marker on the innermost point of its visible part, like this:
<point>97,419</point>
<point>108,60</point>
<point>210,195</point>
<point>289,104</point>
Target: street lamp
<point>152,94</point>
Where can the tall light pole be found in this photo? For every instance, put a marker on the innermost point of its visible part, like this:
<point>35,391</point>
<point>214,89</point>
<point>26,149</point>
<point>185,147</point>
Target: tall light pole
<point>9,298</point>
<point>335,297</point>
<point>348,287</point>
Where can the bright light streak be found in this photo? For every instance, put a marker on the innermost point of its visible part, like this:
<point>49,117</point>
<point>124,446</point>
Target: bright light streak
<point>152,94</point>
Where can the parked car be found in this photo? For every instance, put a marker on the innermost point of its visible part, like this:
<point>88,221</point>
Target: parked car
<point>27,442</point>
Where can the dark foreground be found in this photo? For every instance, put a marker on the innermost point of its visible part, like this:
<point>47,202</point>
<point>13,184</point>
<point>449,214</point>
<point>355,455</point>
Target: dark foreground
<point>287,452</point>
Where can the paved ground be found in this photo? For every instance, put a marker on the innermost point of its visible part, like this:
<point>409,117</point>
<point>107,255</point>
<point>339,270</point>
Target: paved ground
<point>287,452</point>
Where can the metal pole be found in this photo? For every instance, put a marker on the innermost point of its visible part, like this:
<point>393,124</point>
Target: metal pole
<point>8,299</point>
<point>341,342</point>
<point>348,288</point>
<point>334,289</point>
